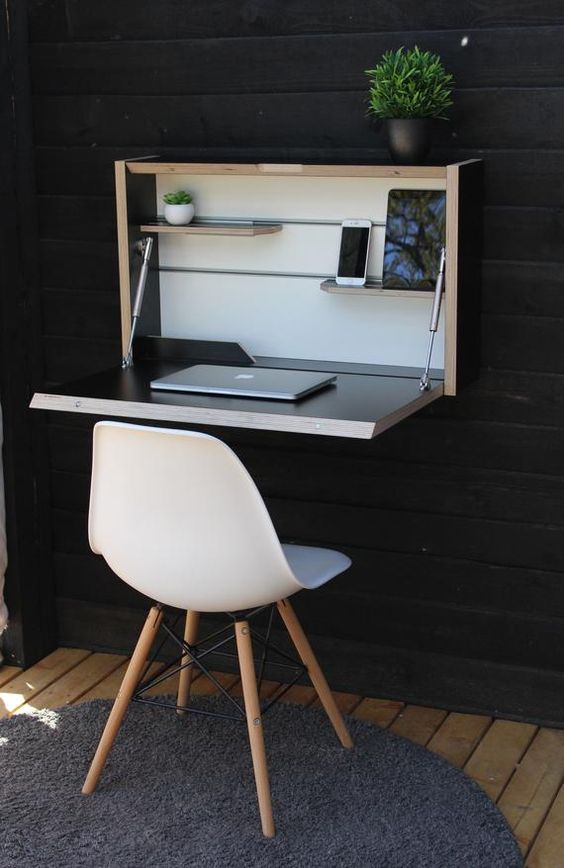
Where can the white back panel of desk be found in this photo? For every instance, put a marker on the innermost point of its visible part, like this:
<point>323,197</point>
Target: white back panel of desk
<point>286,315</point>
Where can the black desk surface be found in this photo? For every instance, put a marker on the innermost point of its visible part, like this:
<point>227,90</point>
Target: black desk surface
<point>364,401</point>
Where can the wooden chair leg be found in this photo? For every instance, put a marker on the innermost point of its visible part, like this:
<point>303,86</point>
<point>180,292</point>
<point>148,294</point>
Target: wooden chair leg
<point>123,698</point>
<point>254,724</point>
<point>186,675</point>
<point>318,680</point>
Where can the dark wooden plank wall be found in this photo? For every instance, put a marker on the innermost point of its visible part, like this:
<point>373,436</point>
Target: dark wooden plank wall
<point>29,593</point>
<point>454,519</point>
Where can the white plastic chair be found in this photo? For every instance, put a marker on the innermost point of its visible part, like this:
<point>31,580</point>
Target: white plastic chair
<point>177,516</point>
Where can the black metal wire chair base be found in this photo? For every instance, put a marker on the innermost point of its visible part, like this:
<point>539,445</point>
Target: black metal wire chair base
<point>192,656</point>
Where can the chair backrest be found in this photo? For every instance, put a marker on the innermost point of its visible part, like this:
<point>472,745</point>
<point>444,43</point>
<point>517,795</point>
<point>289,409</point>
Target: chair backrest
<point>177,516</point>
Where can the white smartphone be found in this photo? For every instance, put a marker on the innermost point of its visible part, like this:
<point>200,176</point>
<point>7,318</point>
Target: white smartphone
<point>353,252</point>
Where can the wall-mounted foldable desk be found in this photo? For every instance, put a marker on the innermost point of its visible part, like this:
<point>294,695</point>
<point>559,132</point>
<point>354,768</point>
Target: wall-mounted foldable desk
<point>256,268</point>
<point>359,405</point>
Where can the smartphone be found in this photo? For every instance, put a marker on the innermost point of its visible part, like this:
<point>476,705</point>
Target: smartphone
<point>353,252</point>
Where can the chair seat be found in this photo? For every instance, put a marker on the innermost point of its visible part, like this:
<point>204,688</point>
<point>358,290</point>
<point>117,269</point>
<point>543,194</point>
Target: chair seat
<point>314,566</point>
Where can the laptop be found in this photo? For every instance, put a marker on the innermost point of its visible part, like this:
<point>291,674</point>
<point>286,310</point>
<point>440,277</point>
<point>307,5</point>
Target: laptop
<point>248,382</point>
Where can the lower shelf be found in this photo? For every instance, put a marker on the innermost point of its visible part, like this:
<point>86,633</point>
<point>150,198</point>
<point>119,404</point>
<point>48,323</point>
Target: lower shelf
<point>374,288</point>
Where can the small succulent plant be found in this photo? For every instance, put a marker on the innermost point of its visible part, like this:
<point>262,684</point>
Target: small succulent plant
<point>409,84</point>
<point>179,197</point>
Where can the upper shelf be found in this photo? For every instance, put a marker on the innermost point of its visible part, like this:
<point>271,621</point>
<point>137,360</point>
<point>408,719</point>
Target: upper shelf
<point>238,227</point>
<point>150,167</point>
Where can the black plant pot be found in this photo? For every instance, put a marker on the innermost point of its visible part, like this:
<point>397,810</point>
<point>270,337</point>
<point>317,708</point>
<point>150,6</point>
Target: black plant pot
<point>409,139</point>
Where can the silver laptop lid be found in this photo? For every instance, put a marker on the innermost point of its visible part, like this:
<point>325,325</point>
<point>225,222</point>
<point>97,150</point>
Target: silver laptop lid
<point>248,382</point>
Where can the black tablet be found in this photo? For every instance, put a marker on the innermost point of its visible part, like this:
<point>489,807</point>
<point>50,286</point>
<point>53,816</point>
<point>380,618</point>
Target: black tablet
<point>415,234</point>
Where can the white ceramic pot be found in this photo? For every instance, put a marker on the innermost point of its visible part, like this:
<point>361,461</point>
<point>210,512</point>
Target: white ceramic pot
<point>178,215</point>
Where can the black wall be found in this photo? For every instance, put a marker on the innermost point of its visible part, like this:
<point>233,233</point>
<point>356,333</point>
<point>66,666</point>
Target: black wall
<point>454,519</point>
<point>28,589</point>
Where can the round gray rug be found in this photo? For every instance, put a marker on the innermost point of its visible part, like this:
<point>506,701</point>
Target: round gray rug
<point>179,791</point>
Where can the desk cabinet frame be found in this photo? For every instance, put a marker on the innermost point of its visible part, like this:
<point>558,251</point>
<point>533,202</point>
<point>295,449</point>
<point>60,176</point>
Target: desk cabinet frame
<point>136,197</point>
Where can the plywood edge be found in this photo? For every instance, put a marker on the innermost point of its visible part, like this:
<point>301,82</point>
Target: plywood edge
<point>235,418</point>
<point>241,228</point>
<point>335,288</point>
<point>451,277</point>
<point>287,169</point>
<point>424,398</point>
<point>465,162</point>
<point>204,416</point>
<point>123,252</point>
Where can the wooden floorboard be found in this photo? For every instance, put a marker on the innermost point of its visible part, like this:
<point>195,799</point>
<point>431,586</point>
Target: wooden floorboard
<point>382,712</point>
<point>458,736</point>
<point>528,797</point>
<point>518,765</point>
<point>25,686</point>
<point>108,687</point>
<point>548,849</point>
<point>497,755</point>
<point>69,687</point>
<point>7,673</point>
<point>418,723</point>
<point>346,702</point>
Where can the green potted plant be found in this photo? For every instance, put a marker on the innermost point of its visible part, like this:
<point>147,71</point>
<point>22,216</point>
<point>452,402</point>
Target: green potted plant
<point>409,89</point>
<point>178,207</point>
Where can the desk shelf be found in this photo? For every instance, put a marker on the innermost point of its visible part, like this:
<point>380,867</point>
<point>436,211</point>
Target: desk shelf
<point>237,227</point>
<point>373,287</point>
